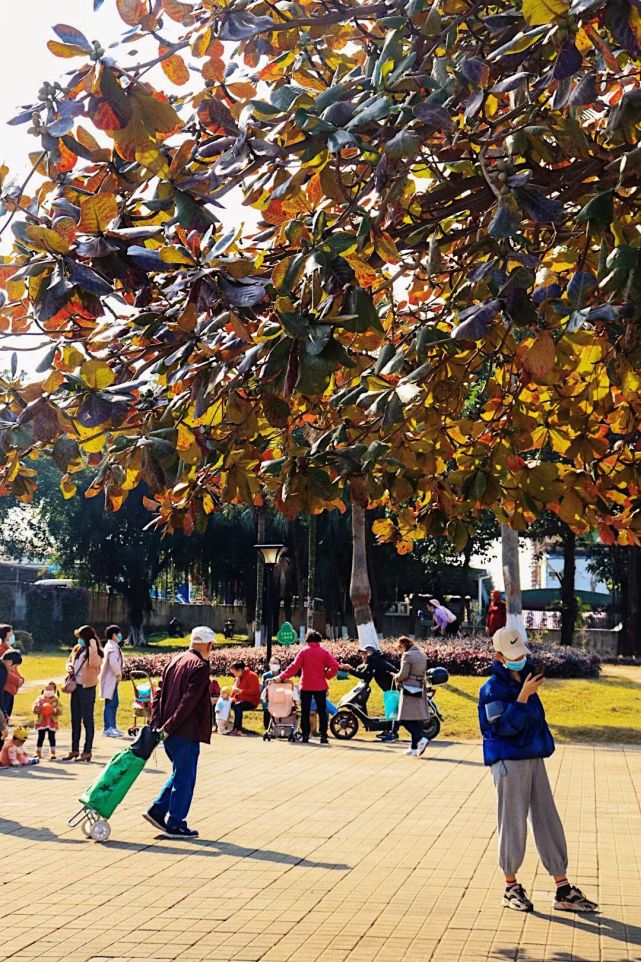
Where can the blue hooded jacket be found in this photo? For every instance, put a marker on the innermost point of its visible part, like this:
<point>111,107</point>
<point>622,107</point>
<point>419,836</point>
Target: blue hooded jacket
<point>510,729</point>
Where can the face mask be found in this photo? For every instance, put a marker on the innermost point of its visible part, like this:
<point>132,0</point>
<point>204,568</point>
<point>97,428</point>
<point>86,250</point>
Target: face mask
<point>275,669</point>
<point>11,639</point>
<point>516,665</point>
<point>120,636</point>
<point>82,642</point>
<point>50,694</point>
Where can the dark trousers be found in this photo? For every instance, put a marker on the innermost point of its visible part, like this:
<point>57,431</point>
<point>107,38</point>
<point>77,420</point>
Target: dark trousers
<point>239,708</point>
<point>266,718</point>
<point>7,704</point>
<point>175,798</point>
<point>415,728</point>
<point>320,697</point>
<point>82,706</point>
<point>41,737</point>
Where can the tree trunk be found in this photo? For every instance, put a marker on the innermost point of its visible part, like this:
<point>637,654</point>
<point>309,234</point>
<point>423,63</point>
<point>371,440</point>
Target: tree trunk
<point>311,570</point>
<point>293,536</point>
<point>631,641</point>
<point>512,578</point>
<point>569,608</point>
<point>260,576</point>
<point>359,588</point>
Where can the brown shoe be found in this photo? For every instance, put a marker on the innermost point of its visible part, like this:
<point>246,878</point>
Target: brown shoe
<point>71,757</point>
<point>85,757</point>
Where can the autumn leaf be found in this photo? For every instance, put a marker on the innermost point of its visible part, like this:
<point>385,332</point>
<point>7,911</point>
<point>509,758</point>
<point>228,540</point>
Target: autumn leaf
<point>538,12</point>
<point>97,374</point>
<point>132,11</point>
<point>540,357</point>
<point>97,213</point>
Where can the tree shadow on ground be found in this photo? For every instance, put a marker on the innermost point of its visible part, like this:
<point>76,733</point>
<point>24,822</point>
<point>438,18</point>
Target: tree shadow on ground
<point>597,734</point>
<point>44,834</point>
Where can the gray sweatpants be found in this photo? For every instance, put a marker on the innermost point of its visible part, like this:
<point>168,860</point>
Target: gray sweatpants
<point>523,790</point>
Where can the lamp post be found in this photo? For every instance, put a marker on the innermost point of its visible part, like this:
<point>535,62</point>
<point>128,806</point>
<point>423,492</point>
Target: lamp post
<point>272,553</point>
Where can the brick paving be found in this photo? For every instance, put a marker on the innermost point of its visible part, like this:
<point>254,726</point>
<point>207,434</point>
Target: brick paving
<point>350,854</point>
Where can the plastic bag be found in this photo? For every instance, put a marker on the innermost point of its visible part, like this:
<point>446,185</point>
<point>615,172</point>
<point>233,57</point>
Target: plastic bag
<point>390,700</point>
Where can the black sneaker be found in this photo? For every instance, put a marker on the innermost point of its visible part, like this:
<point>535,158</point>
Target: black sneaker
<point>180,831</point>
<point>324,741</point>
<point>515,898</point>
<point>155,818</point>
<point>572,899</point>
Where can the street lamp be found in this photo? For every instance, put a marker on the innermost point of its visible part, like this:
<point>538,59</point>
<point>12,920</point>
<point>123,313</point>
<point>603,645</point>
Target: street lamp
<point>272,553</point>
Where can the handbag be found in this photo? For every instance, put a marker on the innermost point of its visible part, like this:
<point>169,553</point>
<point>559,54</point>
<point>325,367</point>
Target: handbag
<point>391,701</point>
<point>70,684</point>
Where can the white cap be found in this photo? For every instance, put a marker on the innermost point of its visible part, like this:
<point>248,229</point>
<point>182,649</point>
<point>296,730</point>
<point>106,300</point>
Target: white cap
<point>202,636</point>
<point>509,642</point>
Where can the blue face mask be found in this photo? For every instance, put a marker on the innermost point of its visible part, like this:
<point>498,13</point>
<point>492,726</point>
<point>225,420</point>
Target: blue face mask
<point>120,636</point>
<point>516,665</point>
<point>82,642</point>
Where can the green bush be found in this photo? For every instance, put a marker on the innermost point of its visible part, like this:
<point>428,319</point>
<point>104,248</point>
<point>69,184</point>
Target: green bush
<point>24,641</point>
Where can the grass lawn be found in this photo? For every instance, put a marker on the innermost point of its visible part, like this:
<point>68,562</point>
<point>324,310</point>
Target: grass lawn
<point>603,710</point>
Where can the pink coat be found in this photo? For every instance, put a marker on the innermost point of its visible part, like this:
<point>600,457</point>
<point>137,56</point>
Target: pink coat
<point>315,665</point>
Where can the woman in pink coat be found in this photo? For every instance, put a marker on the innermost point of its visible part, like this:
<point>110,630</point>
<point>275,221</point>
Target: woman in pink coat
<point>110,675</point>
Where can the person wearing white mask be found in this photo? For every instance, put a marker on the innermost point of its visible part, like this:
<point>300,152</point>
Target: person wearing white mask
<point>110,676</point>
<point>274,670</point>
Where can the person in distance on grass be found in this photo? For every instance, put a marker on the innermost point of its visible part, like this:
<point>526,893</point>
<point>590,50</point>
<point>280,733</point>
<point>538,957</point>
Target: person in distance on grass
<point>516,740</point>
<point>182,710</point>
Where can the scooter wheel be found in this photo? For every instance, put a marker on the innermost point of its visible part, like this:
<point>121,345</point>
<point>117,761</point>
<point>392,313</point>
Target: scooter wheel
<point>100,830</point>
<point>344,725</point>
<point>432,728</point>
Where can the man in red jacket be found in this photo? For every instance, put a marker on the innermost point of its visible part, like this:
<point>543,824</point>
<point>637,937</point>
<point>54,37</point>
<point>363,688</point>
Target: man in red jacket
<point>182,710</point>
<point>316,667</point>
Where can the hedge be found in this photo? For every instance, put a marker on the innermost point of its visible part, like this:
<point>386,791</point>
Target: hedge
<point>462,656</point>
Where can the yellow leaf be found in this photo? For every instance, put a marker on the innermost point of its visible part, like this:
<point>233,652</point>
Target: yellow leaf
<point>174,255</point>
<point>384,529</point>
<point>97,374</point>
<point>540,357</point>
<point>208,503</point>
<point>386,248</point>
<point>153,160</point>
<point>65,50</point>
<point>97,212</point>
<point>185,438</point>
<point>365,274</point>
<point>583,43</point>
<point>46,239</point>
<point>175,68</point>
<point>537,12</point>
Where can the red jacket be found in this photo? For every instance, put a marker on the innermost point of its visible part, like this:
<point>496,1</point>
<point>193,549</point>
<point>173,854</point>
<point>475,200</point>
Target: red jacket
<point>315,665</point>
<point>247,688</point>
<point>496,616</point>
<point>182,704</point>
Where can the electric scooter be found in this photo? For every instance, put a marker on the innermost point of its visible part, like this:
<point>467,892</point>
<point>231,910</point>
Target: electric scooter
<point>352,710</point>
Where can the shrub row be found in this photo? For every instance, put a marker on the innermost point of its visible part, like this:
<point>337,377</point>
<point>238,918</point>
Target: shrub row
<point>463,656</point>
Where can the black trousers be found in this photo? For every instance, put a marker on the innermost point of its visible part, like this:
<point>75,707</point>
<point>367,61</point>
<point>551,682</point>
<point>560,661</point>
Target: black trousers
<point>415,728</point>
<point>7,704</point>
<point>82,706</point>
<point>239,708</point>
<point>41,737</point>
<point>320,697</point>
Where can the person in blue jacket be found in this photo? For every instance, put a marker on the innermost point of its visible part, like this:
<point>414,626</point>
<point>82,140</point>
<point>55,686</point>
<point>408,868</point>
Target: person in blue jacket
<point>516,740</point>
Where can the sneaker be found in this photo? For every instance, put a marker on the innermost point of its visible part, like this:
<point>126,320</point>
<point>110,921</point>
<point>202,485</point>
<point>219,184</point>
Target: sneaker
<point>107,732</point>
<point>422,745</point>
<point>155,818</point>
<point>116,733</point>
<point>324,741</point>
<point>179,831</point>
<point>412,751</point>
<point>515,897</point>
<point>573,900</point>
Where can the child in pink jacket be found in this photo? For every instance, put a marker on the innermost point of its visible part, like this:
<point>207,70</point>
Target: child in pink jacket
<point>316,666</point>
<point>13,754</point>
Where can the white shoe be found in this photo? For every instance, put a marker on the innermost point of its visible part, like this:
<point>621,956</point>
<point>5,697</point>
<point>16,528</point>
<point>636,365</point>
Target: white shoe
<point>116,733</point>
<point>422,745</point>
<point>107,732</point>
<point>412,751</point>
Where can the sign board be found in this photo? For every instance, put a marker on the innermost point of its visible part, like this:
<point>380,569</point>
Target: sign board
<point>287,634</point>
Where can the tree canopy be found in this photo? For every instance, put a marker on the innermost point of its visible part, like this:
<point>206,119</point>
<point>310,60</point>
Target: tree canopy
<point>441,291</point>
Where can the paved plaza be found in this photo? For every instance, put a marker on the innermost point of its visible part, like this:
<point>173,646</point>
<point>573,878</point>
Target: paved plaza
<point>355,853</point>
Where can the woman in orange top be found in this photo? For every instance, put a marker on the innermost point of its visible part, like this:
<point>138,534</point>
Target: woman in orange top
<point>11,659</point>
<point>245,694</point>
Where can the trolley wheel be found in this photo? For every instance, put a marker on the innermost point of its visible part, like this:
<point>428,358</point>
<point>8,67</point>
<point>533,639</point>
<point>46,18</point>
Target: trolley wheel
<point>132,732</point>
<point>100,830</point>
<point>86,828</point>
<point>344,725</point>
<point>297,737</point>
<point>432,728</point>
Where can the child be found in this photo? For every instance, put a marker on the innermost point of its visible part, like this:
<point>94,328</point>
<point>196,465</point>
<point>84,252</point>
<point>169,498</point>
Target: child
<point>47,708</point>
<point>274,669</point>
<point>13,754</point>
<point>516,740</point>
<point>223,711</point>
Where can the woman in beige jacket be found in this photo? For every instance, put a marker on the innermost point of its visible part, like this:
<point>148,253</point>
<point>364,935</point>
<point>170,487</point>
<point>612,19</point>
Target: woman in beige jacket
<point>84,667</point>
<point>412,708</point>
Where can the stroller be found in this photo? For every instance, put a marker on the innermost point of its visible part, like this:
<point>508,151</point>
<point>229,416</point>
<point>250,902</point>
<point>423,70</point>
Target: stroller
<point>143,698</point>
<point>283,718</point>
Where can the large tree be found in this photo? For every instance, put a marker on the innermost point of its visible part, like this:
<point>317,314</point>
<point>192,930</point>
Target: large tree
<point>444,284</point>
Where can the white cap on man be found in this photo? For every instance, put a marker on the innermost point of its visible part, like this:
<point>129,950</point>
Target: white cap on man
<point>202,636</point>
<point>509,642</point>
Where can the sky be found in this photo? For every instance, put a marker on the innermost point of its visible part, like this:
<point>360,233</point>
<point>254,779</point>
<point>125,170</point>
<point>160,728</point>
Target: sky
<point>25,63</point>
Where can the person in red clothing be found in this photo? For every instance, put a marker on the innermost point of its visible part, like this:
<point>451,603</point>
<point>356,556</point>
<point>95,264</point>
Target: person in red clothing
<point>245,694</point>
<point>496,613</point>
<point>316,667</point>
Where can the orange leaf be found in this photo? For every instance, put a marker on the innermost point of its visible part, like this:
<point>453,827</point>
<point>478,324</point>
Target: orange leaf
<point>540,357</point>
<point>97,213</point>
<point>365,274</point>
<point>132,11</point>
<point>180,12</point>
<point>386,248</point>
<point>175,68</point>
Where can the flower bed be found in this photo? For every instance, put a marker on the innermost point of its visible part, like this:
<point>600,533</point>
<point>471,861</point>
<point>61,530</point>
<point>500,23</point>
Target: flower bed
<point>461,656</point>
